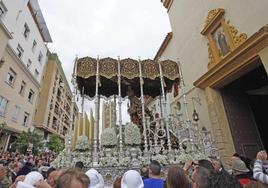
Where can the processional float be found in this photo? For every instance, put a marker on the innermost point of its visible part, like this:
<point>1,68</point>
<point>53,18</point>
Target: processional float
<point>102,78</point>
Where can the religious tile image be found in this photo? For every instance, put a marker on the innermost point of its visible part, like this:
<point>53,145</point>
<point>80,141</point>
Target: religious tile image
<point>221,41</point>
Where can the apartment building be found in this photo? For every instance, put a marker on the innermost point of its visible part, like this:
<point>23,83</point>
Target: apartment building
<point>54,113</point>
<point>23,52</point>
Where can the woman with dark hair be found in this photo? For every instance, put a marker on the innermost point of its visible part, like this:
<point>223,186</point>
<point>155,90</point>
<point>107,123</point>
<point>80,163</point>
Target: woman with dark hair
<point>176,177</point>
<point>223,180</point>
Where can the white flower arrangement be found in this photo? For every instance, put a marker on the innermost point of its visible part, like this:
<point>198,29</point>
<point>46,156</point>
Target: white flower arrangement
<point>108,161</point>
<point>132,135</point>
<point>60,160</point>
<point>125,161</point>
<point>199,155</point>
<point>182,158</point>
<point>108,138</point>
<point>163,159</point>
<point>82,143</point>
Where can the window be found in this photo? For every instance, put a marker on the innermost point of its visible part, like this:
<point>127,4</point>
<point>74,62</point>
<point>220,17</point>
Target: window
<point>34,45</point>
<point>25,119</point>
<point>3,105</point>
<point>19,51</point>
<point>22,88</point>
<point>15,113</point>
<point>36,73</point>
<point>29,63</point>
<point>40,57</point>
<point>26,31</point>
<point>31,96</point>
<point>10,79</point>
<point>3,9</point>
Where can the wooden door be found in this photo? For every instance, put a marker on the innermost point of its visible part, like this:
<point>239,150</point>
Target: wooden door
<point>242,123</point>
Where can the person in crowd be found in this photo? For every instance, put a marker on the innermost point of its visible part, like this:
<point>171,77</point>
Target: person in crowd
<point>14,184</point>
<point>4,181</point>
<point>200,177</point>
<point>13,170</point>
<point>30,180</point>
<point>52,176</point>
<point>223,180</point>
<point>52,181</point>
<point>117,182</point>
<point>176,177</point>
<point>79,165</point>
<point>258,171</point>
<point>206,164</point>
<point>194,164</point>
<point>73,178</point>
<point>132,179</point>
<point>217,164</point>
<point>154,180</point>
<point>255,184</point>
<point>28,167</point>
<point>96,180</point>
<point>144,172</point>
<point>234,157</point>
<point>240,171</point>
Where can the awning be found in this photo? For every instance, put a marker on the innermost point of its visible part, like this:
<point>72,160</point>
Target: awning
<point>86,70</point>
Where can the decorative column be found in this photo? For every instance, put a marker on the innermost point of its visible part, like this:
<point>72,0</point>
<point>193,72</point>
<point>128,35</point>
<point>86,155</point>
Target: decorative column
<point>164,105</point>
<point>142,108</point>
<point>120,109</point>
<point>96,122</point>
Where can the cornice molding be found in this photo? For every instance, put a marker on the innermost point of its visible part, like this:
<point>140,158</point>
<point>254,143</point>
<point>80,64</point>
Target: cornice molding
<point>167,3</point>
<point>163,45</point>
<point>6,31</point>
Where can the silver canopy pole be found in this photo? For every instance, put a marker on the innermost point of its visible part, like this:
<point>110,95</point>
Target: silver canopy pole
<point>83,111</point>
<point>143,109</point>
<point>185,103</point>
<point>120,109</point>
<point>96,122</point>
<point>164,105</point>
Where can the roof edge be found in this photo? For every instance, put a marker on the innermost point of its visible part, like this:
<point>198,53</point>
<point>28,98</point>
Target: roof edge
<point>39,19</point>
<point>163,45</point>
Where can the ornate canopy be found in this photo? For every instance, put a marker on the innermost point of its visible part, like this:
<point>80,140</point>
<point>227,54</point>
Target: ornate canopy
<point>106,71</point>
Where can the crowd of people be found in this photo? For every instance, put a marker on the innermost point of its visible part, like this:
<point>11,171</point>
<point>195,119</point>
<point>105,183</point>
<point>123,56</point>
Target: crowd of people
<point>27,171</point>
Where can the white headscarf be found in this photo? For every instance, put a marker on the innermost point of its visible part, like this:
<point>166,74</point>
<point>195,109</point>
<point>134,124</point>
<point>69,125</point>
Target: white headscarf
<point>30,179</point>
<point>132,179</point>
<point>95,178</point>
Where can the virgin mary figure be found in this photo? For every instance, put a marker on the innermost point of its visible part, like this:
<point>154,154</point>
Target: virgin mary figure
<point>222,42</point>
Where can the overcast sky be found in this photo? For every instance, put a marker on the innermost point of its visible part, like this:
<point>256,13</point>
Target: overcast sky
<point>125,28</point>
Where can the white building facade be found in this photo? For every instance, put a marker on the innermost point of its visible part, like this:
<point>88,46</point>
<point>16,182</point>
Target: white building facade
<point>24,20</point>
<point>214,76</point>
<point>23,56</point>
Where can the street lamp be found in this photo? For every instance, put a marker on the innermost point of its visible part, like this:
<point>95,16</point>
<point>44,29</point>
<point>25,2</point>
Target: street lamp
<point>195,114</point>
